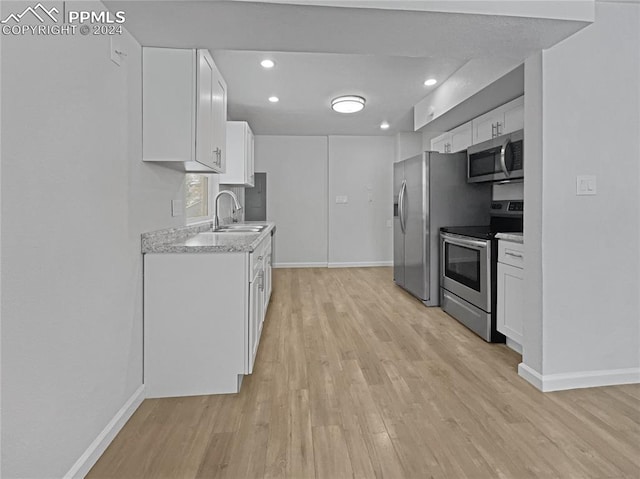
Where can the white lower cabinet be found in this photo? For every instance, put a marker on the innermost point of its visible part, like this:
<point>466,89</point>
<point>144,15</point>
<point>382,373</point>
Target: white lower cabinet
<point>510,308</point>
<point>203,318</point>
<point>258,299</point>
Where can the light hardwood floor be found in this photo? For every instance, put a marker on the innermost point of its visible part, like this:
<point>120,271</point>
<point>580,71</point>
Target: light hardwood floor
<point>355,378</point>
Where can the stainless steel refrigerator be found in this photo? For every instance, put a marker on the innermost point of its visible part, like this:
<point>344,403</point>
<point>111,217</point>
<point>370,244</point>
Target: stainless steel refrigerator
<point>431,191</point>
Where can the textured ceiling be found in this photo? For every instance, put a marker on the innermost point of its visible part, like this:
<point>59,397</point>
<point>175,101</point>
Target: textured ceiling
<point>384,55</point>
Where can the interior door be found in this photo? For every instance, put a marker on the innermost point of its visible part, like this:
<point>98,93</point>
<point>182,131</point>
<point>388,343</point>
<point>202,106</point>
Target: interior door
<point>415,197</point>
<point>398,235</point>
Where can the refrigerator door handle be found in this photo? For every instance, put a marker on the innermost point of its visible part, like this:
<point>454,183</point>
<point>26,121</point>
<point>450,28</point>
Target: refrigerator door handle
<point>403,189</point>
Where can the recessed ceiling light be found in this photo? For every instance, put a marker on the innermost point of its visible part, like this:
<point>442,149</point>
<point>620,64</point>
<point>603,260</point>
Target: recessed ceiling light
<point>384,125</point>
<point>274,99</point>
<point>348,104</point>
<point>267,63</point>
<point>430,82</point>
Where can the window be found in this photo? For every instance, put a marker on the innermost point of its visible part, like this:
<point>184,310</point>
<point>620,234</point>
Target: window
<point>198,197</point>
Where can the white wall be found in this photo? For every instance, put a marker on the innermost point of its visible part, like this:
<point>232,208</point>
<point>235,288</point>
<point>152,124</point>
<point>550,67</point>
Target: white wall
<point>590,244</point>
<point>533,185</point>
<point>296,168</point>
<point>76,197</point>
<point>305,174</point>
<point>361,168</point>
<point>408,145</point>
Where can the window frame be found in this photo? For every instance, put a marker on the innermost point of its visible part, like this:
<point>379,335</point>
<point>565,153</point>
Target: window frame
<point>190,220</point>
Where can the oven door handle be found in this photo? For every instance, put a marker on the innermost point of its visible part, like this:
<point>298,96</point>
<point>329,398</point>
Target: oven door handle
<point>503,157</point>
<point>463,241</point>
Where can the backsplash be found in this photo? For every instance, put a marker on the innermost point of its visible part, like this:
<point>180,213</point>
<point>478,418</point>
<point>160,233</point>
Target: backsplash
<point>508,191</point>
<point>226,211</point>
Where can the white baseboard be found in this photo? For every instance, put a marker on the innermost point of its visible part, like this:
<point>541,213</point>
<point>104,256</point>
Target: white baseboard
<point>83,465</point>
<point>530,375</point>
<point>585,379</point>
<point>334,265</point>
<point>514,345</point>
<point>299,265</point>
<point>366,264</point>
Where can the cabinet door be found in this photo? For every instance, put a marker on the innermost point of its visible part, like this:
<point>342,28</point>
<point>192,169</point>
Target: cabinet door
<point>250,162</point>
<point>255,309</point>
<point>513,116</point>
<point>267,278</point>
<point>168,104</point>
<point>484,127</point>
<point>205,153</point>
<point>219,107</point>
<point>440,143</point>
<point>461,137</point>
<point>510,301</point>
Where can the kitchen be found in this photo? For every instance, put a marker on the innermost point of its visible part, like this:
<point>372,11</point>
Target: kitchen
<point>71,158</point>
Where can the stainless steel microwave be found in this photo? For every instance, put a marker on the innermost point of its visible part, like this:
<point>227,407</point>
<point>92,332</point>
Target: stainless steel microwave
<point>499,159</point>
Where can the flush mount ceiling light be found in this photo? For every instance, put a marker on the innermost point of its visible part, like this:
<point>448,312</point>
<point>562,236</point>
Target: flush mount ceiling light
<point>348,104</point>
<point>274,99</point>
<point>430,82</point>
<point>267,63</point>
<point>384,125</point>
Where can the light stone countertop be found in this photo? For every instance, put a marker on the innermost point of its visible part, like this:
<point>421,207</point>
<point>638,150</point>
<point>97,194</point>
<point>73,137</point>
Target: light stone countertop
<point>200,239</point>
<point>513,237</point>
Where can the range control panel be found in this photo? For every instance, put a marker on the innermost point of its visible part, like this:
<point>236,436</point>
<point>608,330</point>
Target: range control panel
<point>507,208</point>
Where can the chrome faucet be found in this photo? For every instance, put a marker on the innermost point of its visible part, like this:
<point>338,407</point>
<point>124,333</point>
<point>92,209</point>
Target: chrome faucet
<point>236,206</point>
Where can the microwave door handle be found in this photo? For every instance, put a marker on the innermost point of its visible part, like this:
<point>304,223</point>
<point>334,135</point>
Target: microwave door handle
<point>503,158</point>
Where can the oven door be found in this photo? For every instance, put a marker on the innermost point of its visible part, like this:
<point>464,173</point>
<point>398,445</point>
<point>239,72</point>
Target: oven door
<point>465,268</point>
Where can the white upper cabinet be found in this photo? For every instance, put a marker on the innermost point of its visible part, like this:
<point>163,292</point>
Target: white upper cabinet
<point>504,119</point>
<point>458,139</point>
<point>240,159</point>
<point>461,137</point>
<point>184,109</point>
<point>441,143</point>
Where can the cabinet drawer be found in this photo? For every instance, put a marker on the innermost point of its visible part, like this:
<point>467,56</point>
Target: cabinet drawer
<point>511,253</point>
<point>257,257</point>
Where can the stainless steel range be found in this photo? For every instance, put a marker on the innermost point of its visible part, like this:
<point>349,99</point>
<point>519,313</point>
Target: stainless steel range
<point>468,270</point>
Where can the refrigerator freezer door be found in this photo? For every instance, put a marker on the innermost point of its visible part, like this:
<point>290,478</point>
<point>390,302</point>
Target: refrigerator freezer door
<point>416,213</point>
<point>398,235</point>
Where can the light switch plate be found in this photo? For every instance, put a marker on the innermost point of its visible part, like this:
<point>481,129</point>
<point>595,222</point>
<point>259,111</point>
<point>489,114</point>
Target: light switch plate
<point>176,207</point>
<point>586,185</point>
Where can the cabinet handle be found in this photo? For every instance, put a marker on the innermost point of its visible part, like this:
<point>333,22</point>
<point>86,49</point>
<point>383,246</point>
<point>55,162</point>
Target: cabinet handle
<point>494,128</point>
<point>218,153</point>
<point>261,275</point>
<point>498,128</point>
<point>515,255</point>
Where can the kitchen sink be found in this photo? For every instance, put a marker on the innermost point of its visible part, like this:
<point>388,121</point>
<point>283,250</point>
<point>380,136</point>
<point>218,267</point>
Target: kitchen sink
<point>240,229</point>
